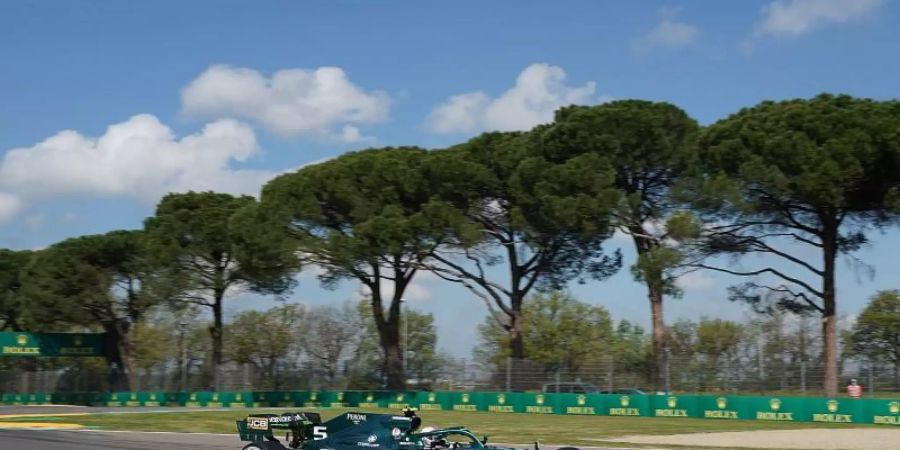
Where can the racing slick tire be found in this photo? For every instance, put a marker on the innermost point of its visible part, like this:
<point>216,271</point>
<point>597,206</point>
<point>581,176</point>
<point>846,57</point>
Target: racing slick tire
<point>568,448</point>
<point>264,445</point>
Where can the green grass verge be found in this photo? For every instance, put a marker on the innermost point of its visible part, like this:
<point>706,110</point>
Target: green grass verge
<point>507,428</point>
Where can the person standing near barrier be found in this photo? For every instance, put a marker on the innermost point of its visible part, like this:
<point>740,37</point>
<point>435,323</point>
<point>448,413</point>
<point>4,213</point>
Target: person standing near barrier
<point>854,390</point>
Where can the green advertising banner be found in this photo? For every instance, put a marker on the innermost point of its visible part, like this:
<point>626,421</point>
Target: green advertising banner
<point>432,401</point>
<point>539,403</point>
<point>675,406</point>
<point>783,409</point>
<point>780,409</point>
<point>580,404</point>
<point>709,407</point>
<point>881,412</point>
<point>50,344</point>
<point>830,410</point>
<point>290,399</point>
<point>468,401</point>
<point>626,405</point>
<point>198,399</point>
<point>500,402</point>
<point>373,399</point>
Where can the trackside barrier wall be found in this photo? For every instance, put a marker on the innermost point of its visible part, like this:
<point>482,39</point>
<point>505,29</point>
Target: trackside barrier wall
<point>787,409</point>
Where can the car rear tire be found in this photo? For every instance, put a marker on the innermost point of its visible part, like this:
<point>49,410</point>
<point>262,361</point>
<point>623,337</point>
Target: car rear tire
<point>264,445</point>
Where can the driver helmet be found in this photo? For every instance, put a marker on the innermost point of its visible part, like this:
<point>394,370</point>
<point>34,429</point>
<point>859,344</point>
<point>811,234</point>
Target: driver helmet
<point>427,440</point>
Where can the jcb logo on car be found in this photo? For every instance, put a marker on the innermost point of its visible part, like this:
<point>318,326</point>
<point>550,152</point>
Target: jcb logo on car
<point>257,423</point>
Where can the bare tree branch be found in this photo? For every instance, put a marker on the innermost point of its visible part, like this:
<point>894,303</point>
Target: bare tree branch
<point>770,270</point>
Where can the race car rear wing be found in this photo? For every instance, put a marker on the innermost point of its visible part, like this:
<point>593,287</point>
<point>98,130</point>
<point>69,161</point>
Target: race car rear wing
<point>299,427</point>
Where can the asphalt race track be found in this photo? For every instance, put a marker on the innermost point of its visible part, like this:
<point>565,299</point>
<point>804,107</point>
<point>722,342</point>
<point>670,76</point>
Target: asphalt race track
<point>28,439</point>
<point>92,440</point>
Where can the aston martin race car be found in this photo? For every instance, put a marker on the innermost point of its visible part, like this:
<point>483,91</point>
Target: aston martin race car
<point>355,431</point>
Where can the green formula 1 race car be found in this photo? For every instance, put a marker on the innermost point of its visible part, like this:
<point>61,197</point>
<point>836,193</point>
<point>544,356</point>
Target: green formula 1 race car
<point>355,431</point>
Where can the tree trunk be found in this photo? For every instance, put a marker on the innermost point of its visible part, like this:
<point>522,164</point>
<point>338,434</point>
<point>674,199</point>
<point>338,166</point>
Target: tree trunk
<point>829,314</point>
<point>216,333</point>
<point>126,348</point>
<point>393,360</point>
<point>118,377</point>
<point>389,335</point>
<point>659,338</point>
<point>516,329</point>
<point>653,278</point>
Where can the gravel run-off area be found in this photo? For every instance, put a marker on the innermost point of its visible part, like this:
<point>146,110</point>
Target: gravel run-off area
<point>824,439</point>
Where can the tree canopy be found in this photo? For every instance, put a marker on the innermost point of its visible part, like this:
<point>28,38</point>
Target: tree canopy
<point>515,218</point>
<point>12,303</point>
<point>876,334</point>
<point>648,147</point>
<point>104,280</point>
<point>783,176</point>
<point>367,216</point>
<point>211,247</point>
<point>516,209</point>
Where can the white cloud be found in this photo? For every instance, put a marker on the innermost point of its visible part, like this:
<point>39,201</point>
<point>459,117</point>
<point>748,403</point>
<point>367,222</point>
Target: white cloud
<point>350,134</point>
<point>670,33</point>
<point>797,17</point>
<point>35,222</point>
<point>10,205</point>
<point>311,272</point>
<point>69,217</point>
<point>539,91</point>
<point>416,291</point>
<point>139,158</point>
<point>291,102</point>
<point>696,281</point>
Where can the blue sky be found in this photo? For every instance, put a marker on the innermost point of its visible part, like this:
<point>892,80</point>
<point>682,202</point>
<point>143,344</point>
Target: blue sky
<point>105,106</point>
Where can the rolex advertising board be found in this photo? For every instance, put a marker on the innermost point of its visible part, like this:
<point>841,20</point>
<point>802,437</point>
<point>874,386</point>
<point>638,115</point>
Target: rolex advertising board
<point>344,399</point>
<point>198,399</point>
<point>540,403</point>
<point>581,404</point>
<point>835,410</point>
<point>501,402</point>
<point>400,400</point>
<point>26,399</point>
<point>432,401</point>
<point>373,399</point>
<point>242,399</point>
<point>783,409</point>
<point>314,399</point>
<point>780,409</point>
<point>674,406</point>
<point>627,405</point>
<point>882,412</point>
<point>467,401</point>
<point>50,344</point>
<point>721,407</point>
<point>292,399</point>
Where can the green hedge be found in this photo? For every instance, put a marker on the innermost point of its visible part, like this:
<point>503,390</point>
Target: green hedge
<point>796,409</point>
